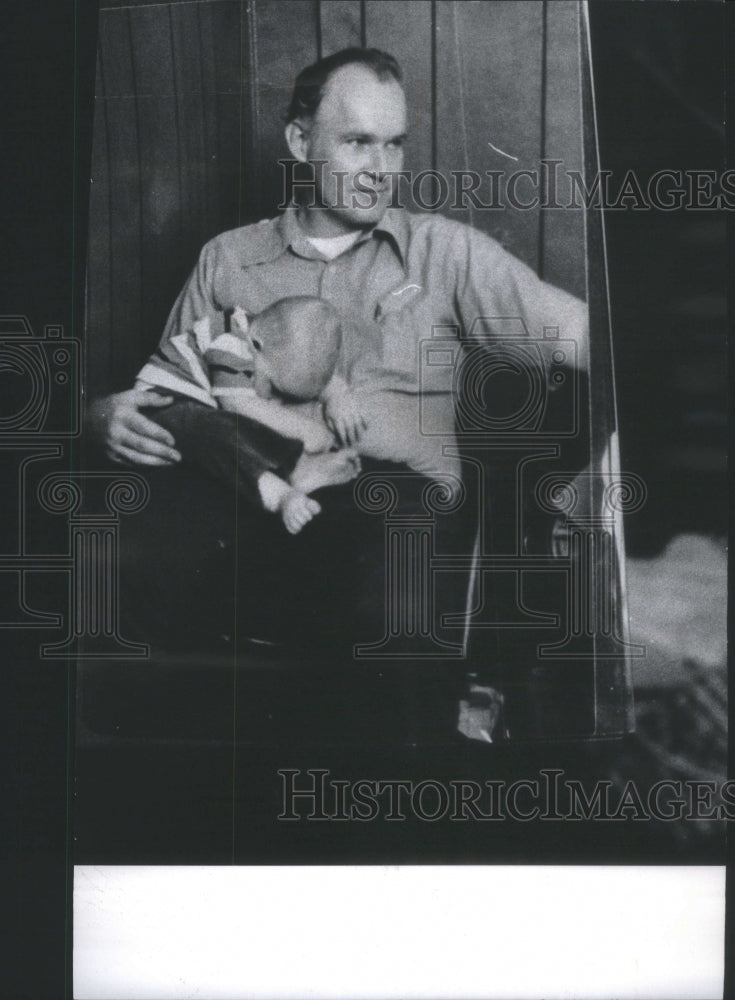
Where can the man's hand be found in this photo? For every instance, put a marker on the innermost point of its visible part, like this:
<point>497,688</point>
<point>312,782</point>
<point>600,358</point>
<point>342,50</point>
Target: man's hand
<point>127,436</point>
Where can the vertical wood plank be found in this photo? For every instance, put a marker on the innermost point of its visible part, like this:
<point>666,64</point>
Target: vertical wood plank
<point>224,41</point>
<point>208,113</point>
<point>286,41</point>
<point>340,25</point>
<point>122,136</point>
<point>98,343</point>
<point>404,29</point>
<point>451,139</point>
<point>175,128</point>
<point>191,104</point>
<point>160,164</point>
<point>499,50</point>
<point>562,230</point>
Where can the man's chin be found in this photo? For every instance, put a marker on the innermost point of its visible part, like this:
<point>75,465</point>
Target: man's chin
<point>363,218</point>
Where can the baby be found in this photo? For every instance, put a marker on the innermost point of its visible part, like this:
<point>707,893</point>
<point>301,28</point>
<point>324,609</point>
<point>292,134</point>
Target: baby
<point>289,376</point>
<point>278,370</point>
<point>282,370</point>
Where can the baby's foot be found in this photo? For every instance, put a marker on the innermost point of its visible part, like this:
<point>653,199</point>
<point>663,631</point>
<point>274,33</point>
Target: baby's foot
<point>331,468</point>
<point>297,510</point>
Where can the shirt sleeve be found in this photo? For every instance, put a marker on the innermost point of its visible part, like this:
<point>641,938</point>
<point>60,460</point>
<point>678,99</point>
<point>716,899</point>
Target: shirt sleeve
<point>498,296</point>
<point>177,364</point>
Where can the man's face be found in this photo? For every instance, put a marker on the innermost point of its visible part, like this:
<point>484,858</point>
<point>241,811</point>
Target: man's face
<point>359,130</point>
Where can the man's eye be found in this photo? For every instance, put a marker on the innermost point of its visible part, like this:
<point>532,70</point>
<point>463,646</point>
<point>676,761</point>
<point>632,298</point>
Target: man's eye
<point>356,142</point>
<point>396,144</point>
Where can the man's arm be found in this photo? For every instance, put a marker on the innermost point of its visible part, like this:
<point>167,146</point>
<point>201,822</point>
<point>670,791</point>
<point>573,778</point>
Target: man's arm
<point>115,422</point>
<point>127,436</point>
<point>492,283</point>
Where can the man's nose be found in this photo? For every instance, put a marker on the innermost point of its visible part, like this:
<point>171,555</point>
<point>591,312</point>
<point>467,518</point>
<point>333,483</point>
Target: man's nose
<point>378,163</point>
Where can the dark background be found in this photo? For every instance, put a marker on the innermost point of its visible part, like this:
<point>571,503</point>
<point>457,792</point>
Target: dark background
<point>660,97</point>
<point>661,105</point>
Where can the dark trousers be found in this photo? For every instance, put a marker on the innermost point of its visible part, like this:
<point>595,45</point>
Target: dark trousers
<point>204,568</point>
<point>200,558</point>
<point>228,447</point>
<point>204,559</point>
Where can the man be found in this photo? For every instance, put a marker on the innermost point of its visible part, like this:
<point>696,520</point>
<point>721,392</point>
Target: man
<point>349,113</point>
<point>348,244</point>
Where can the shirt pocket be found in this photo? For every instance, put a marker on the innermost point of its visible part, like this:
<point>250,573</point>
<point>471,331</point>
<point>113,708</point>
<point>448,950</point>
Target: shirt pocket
<point>412,322</point>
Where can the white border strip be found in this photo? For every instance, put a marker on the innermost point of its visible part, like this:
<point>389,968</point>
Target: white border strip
<point>148,933</point>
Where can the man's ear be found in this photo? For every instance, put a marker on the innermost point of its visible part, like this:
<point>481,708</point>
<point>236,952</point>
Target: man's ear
<point>297,137</point>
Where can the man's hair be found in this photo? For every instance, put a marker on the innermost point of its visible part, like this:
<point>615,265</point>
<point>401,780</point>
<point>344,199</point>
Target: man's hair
<point>309,85</point>
<point>300,336</point>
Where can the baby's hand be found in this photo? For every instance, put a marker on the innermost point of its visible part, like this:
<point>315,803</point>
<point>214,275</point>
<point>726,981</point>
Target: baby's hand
<point>343,415</point>
<point>317,438</point>
<point>297,510</point>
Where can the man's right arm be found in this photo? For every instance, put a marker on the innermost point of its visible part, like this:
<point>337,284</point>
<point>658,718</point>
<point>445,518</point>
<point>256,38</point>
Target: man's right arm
<point>116,423</point>
<point>125,434</point>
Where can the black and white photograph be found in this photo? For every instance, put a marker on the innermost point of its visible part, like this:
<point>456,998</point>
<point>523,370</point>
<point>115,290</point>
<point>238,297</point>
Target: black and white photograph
<point>363,428</point>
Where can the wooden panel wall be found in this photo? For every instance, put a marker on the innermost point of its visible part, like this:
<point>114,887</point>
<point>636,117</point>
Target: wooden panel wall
<point>188,127</point>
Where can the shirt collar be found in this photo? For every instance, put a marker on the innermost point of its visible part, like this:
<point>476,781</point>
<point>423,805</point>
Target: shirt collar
<point>394,225</point>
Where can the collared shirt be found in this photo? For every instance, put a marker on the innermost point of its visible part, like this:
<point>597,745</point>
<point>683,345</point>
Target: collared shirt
<point>415,291</point>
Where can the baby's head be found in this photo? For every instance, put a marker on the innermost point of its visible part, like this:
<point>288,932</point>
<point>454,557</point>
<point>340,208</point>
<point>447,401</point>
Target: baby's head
<point>295,344</point>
